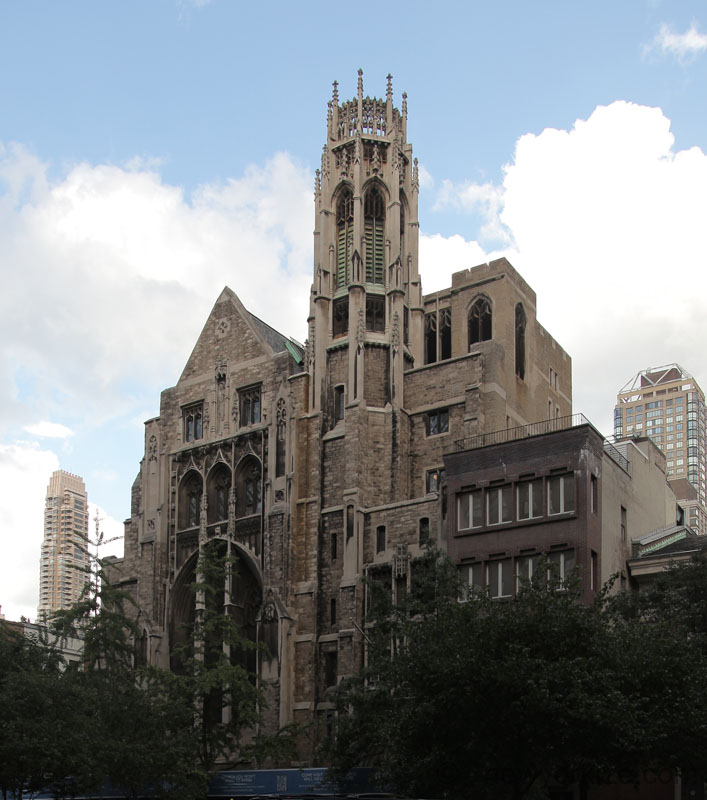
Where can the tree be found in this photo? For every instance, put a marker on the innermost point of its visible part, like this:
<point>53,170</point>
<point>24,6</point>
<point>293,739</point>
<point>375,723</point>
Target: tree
<point>41,727</point>
<point>140,734</point>
<point>501,699</point>
<point>214,667</point>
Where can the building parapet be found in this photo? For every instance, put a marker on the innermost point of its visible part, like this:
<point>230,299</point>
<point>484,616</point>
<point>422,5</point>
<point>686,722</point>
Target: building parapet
<point>535,429</point>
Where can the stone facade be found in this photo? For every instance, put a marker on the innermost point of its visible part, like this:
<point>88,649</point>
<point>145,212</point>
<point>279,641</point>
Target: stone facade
<point>316,464</point>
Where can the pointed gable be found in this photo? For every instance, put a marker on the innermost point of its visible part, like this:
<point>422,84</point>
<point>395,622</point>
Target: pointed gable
<point>232,334</point>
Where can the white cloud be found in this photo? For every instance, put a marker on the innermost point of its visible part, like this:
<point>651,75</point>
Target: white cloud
<point>110,273</point>
<point>24,475</point>
<point>607,221</point>
<point>681,45</point>
<point>49,430</point>
<point>483,199</point>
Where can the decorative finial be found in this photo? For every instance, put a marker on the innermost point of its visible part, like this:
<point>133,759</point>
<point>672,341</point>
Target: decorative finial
<point>405,104</point>
<point>360,82</point>
<point>389,91</point>
<point>357,148</point>
<point>317,183</point>
<point>415,176</point>
<point>335,95</point>
<point>325,162</point>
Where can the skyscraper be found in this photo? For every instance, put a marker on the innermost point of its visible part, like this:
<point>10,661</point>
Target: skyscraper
<point>64,560</point>
<point>667,404</point>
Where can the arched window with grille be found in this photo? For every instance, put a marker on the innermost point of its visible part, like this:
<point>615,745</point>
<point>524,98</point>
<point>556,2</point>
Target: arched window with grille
<point>344,236</point>
<point>374,234</point>
<point>480,321</point>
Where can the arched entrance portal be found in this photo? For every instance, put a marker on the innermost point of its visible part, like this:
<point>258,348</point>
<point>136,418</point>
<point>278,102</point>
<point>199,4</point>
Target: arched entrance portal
<point>221,583</point>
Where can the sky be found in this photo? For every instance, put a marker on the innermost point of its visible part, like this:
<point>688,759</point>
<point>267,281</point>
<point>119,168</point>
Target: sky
<point>152,152</point>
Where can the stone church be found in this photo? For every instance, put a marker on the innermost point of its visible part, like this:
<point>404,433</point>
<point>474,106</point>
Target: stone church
<point>319,464</point>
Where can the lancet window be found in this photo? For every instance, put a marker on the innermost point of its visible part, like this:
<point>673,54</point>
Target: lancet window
<point>190,501</point>
<point>344,236</point>
<point>219,484</point>
<point>374,233</point>
<point>249,496</point>
<point>480,321</point>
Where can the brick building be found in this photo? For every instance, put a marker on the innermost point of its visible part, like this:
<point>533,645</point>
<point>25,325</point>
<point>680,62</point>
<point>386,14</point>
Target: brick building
<point>558,490</point>
<point>316,463</point>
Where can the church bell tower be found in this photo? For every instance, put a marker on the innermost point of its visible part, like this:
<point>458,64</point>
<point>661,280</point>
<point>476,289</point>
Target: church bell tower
<point>366,317</point>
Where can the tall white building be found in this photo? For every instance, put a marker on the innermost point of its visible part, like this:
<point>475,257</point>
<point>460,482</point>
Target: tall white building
<point>64,561</point>
<point>667,404</point>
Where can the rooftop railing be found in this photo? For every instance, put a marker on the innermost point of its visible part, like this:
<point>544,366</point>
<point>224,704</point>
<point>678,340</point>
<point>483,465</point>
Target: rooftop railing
<point>536,429</point>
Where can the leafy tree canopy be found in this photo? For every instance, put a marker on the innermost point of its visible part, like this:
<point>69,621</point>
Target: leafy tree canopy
<point>483,698</point>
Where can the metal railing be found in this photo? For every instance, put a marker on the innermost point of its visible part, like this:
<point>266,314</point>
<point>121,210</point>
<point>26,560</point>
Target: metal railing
<point>535,429</point>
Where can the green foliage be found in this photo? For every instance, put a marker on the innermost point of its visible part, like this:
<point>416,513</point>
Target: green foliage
<point>213,672</point>
<point>500,699</point>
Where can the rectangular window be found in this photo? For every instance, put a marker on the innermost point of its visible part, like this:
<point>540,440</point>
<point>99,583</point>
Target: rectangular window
<point>529,499</point>
<point>380,539</point>
<point>424,531</point>
<point>473,575</point>
<point>375,313</point>
<point>560,494</point>
<point>330,667</point>
<point>594,572</point>
<point>623,524</point>
<point>500,578</point>
<point>562,564</point>
<point>340,316</point>
<point>434,480</point>
<point>338,403</point>
<point>438,422</point>
<point>526,567</point>
<point>193,422</point>
<point>250,405</point>
<point>334,546</point>
<point>594,494</point>
<point>332,611</point>
<point>499,505</point>
<point>469,510</point>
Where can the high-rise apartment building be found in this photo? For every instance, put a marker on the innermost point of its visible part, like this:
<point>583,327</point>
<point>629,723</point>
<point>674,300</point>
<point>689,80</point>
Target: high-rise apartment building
<point>64,560</point>
<point>667,404</point>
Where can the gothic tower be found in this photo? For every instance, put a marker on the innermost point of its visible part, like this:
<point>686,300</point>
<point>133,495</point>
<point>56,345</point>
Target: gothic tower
<point>366,310</point>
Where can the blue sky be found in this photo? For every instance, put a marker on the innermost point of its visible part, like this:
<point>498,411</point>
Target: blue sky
<point>152,152</point>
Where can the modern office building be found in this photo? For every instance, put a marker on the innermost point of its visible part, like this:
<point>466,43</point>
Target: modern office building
<point>667,404</point>
<point>64,562</point>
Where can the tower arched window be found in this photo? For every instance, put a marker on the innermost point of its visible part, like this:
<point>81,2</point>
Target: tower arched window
<point>344,236</point>
<point>520,341</point>
<point>374,233</point>
<point>480,321</point>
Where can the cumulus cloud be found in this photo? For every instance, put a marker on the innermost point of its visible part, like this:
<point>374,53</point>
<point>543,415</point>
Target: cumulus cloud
<point>24,474</point>
<point>681,45</point>
<point>49,430</point>
<point>607,221</point>
<point>110,273</point>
